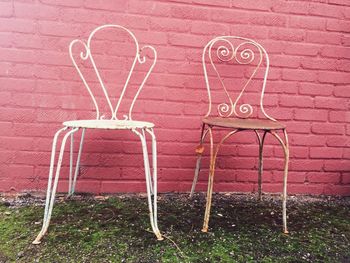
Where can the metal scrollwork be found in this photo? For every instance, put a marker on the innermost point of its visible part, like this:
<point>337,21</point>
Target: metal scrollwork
<point>242,54</point>
<point>138,58</point>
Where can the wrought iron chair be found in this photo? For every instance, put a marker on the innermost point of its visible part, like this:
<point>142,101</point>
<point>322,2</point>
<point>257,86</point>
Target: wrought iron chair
<point>140,128</point>
<point>235,114</point>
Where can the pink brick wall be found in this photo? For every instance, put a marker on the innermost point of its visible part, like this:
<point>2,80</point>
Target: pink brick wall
<point>309,83</point>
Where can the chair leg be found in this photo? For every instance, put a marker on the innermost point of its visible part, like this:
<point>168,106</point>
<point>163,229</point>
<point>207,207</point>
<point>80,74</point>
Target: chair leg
<point>213,156</point>
<point>154,166</point>
<point>210,183</point>
<point>285,147</point>
<point>70,164</point>
<point>151,203</point>
<point>77,165</point>
<point>196,173</point>
<point>260,169</point>
<point>51,188</point>
<point>199,151</point>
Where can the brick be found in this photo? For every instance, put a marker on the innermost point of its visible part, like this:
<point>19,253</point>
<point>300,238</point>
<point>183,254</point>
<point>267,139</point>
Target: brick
<point>6,9</point>
<point>17,25</point>
<point>331,103</point>
<point>298,127</point>
<point>338,25</point>
<point>345,178</point>
<point>230,16</point>
<point>253,5</point>
<point>327,128</point>
<point>69,3</point>
<point>167,24</point>
<point>299,75</point>
<point>287,34</point>
<point>34,11</point>
<point>307,102</point>
<point>309,140</point>
<point>302,49</point>
<point>312,115</point>
<point>306,165</point>
<point>325,152</point>
<point>339,116</point>
<point>291,7</point>
<point>149,8</point>
<point>336,165</point>
<point>117,5</point>
<point>254,32</point>
<point>58,29</point>
<point>307,22</point>
<point>205,28</point>
<point>334,77</point>
<point>336,52</point>
<point>187,12</point>
<point>338,141</point>
<point>342,91</point>
<point>325,64</point>
<point>316,89</point>
<point>323,38</point>
<point>187,40</point>
<point>330,11</point>
<point>322,177</point>
<point>293,177</point>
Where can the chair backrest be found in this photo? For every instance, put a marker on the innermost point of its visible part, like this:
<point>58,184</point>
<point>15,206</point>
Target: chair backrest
<point>234,50</point>
<point>137,58</point>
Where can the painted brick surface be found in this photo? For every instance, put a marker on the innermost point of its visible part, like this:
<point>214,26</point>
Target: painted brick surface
<point>308,89</point>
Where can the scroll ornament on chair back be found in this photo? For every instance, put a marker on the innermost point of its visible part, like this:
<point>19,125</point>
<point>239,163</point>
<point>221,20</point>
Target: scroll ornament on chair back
<point>113,109</point>
<point>236,51</point>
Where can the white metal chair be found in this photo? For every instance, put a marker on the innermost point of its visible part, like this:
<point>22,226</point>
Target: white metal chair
<point>140,128</point>
<point>235,114</point>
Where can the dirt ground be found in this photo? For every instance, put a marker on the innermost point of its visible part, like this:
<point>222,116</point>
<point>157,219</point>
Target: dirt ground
<point>116,228</point>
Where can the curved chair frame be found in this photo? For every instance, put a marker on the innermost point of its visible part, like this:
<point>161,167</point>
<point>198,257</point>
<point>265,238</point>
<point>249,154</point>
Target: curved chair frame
<point>139,128</point>
<point>226,52</point>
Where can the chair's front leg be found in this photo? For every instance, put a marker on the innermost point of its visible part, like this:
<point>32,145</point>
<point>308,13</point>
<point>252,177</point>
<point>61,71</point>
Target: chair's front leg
<point>285,146</point>
<point>51,188</point>
<point>155,176</point>
<point>210,183</point>
<point>148,183</point>
<point>213,156</point>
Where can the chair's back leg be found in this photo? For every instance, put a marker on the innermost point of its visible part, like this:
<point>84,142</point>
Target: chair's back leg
<point>199,151</point>
<point>70,179</point>
<point>261,141</point>
<point>285,146</point>
<point>77,165</point>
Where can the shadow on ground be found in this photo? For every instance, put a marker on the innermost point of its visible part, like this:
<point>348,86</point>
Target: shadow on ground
<point>116,229</point>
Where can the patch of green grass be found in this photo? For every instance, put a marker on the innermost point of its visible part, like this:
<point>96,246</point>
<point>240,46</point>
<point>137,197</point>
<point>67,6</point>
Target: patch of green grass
<point>118,230</point>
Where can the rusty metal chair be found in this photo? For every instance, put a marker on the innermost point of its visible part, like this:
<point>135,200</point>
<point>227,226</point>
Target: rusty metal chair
<point>114,121</point>
<point>235,114</point>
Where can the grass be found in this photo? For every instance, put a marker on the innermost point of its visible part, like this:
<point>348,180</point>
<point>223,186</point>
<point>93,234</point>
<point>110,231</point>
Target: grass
<point>117,230</point>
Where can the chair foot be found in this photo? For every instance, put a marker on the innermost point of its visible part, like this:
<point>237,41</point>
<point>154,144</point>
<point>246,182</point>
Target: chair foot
<point>159,236</point>
<point>37,240</point>
<point>285,232</point>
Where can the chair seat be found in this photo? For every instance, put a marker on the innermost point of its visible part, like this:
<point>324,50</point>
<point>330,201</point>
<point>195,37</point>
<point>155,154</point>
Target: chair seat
<point>249,124</point>
<point>108,124</point>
